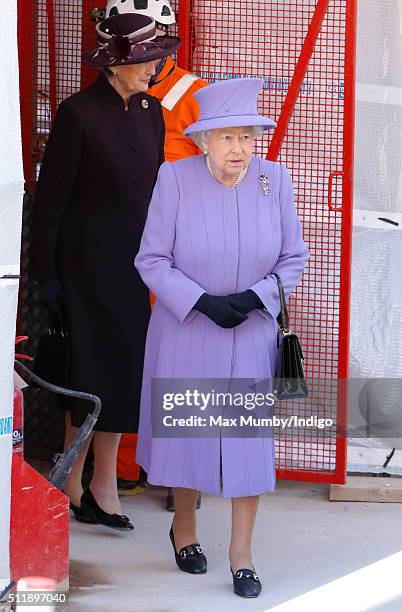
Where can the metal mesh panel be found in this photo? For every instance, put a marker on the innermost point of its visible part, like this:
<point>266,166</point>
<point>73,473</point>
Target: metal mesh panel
<point>43,422</point>
<point>254,38</point>
<point>267,39</point>
<point>57,63</point>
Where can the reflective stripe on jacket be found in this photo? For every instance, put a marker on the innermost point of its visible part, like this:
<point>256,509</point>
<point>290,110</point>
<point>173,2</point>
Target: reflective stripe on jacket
<point>174,89</point>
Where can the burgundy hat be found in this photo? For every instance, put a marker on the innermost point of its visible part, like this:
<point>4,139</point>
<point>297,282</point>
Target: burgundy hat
<point>129,38</point>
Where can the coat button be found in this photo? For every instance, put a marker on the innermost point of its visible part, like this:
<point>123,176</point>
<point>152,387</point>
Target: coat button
<point>144,103</point>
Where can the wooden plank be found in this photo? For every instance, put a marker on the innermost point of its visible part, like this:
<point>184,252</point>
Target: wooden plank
<point>367,489</point>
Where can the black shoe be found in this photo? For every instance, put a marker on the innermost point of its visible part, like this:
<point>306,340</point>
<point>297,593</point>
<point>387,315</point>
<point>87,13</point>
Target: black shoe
<point>83,514</point>
<point>246,583</point>
<point>170,501</point>
<point>116,521</point>
<point>190,558</point>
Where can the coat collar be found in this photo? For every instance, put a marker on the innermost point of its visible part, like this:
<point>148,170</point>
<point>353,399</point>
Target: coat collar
<point>251,178</point>
<point>106,89</point>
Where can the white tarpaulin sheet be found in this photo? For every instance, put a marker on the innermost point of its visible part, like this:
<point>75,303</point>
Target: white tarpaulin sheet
<point>11,194</point>
<point>376,308</point>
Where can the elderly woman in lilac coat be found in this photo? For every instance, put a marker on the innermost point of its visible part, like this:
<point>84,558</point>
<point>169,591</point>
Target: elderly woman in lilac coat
<point>219,225</point>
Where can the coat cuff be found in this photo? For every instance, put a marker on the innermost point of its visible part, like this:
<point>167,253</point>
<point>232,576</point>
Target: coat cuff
<point>267,291</point>
<point>183,308</point>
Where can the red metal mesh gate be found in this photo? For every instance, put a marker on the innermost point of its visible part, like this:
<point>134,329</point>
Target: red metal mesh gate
<point>304,50</point>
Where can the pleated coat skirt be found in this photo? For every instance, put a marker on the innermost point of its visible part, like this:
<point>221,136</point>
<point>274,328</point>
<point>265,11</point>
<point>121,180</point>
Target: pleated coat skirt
<point>201,236</point>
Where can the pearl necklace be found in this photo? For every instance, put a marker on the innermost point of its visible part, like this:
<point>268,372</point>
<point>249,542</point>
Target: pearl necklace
<point>237,181</point>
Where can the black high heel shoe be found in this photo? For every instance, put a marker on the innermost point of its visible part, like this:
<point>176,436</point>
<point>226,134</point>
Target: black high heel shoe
<point>115,521</point>
<point>83,514</point>
<point>190,558</point>
<point>246,583</point>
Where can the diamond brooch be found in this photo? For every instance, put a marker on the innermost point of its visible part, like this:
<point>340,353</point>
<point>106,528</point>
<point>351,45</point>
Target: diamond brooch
<point>264,183</point>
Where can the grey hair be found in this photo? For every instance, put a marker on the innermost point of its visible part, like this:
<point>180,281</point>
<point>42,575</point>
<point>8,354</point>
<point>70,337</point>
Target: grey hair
<point>201,138</point>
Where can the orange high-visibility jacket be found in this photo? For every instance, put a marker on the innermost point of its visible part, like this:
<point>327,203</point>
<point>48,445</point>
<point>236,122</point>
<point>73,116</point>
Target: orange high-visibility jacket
<point>174,88</point>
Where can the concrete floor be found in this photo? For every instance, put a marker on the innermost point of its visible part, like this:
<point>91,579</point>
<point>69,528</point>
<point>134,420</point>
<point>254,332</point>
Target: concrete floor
<point>311,555</point>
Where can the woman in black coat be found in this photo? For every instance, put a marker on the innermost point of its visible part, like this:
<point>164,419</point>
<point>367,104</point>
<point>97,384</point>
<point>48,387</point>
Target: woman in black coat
<point>96,181</point>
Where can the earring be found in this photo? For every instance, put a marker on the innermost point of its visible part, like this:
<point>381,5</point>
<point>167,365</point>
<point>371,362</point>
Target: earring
<point>205,151</point>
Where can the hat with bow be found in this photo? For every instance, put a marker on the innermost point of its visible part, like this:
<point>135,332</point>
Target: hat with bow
<point>129,38</point>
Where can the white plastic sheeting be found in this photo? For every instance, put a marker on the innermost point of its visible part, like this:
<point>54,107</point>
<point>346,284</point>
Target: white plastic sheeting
<point>11,194</point>
<point>376,308</point>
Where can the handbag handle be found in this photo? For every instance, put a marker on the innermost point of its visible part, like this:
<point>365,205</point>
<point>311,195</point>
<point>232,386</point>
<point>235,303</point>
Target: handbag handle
<point>56,324</point>
<point>284,309</point>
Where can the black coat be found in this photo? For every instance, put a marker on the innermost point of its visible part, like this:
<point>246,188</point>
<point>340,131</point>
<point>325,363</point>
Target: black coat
<point>94,188</point>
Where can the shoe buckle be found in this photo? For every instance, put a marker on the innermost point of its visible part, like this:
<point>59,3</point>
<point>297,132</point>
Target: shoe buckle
<point>239,574</point>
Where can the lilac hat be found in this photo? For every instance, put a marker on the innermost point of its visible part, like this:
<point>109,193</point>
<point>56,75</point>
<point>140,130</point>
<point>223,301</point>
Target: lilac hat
<point>129,38</point>
<point>231,103</point>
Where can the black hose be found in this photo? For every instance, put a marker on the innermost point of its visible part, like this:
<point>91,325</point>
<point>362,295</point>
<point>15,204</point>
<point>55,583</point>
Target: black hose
<point>65,461</point>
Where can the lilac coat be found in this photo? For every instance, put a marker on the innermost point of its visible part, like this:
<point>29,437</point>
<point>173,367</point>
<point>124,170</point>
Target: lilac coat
<point>201,236</point>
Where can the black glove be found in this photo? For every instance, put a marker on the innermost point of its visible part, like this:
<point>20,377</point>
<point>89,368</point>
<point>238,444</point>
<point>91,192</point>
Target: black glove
<point>219,311</point>
<point>244,302</point>
<point>51,295</point>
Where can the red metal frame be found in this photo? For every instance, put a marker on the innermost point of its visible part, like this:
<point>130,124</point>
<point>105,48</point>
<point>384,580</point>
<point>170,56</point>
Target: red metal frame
<point>297,79</point>
<point>347,214</point>
<point>26,35</point>
<point>51,35</point>
<point>88,39</point>
<point>184,27</point>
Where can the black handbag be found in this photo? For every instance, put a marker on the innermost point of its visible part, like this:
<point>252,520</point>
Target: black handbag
<point>53,352</point>
<point>289,378</point>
